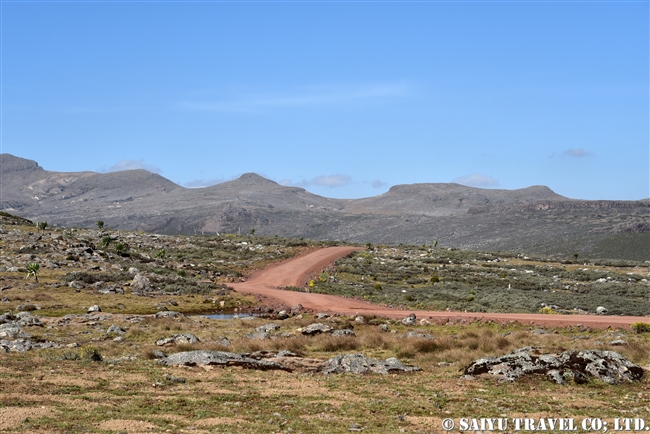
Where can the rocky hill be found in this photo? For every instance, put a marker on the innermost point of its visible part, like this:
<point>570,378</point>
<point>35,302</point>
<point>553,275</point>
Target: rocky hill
<point>533,219</point>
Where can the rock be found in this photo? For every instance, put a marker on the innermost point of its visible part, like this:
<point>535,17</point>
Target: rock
<point>23,345</point>
<point>268,328</point>
<point>173,379</point>
<point>409,320</point>
<point>344,332</point>
<point>284,335</point>
<point>168,314</point>
<point>26,319</point>
<point>424,322</point>
<point>417,335</point>
<point>219,358</point>
<point>182,338</point>
<point>360,364</point>
<point>617,342</point>
<point>608,366</point>
<point>360,320</point>
<point>140,284</point>
<point>316,328</point>
<point>258,336</point>
<point>601,310</point>
<point>322,315</point>
<point>383,327</point>
<point>113,329</point>
<point>297,309</point>
<point>94,308</point>
<point>286,353</point>
<point>7,318</point>
<point>539,332</point>
<point>133,270</point>
<point>158,354</point>
<point>282,314</point>
<point>11,331</point>
<point>77,284</point>
<point>223,341</point>
<point>111,290</point>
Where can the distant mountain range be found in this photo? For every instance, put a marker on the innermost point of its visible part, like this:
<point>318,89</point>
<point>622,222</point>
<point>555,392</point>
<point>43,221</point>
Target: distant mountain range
<point>533,219</point>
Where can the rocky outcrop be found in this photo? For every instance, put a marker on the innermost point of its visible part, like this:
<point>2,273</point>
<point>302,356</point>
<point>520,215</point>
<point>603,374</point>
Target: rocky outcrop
<point>220,358</point>
<point>288,361</point>
<point>178,339</point>
<point>315,329</point>
<point>360,364</point>
<point>577,366</point>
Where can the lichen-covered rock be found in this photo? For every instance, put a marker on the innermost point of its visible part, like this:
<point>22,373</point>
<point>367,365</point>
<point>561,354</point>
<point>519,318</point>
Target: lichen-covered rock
<point>417,335</point>
<point>26,319</point>
<point>23,345</point>
<point>409,320</point>
<point>258,336</point>
<point>114,329</point>
<point>178,339</point>
<point>12,331</point>
<point>608,366</point>
<point>316,328</point>
<point>220,358</point>
<point>140,284</point>
<point>168,314</point>
<point>344,332</point>
<point>360,364</point>
<point>268,328</point>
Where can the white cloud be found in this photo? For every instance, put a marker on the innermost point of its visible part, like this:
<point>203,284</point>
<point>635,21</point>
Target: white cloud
<point>132,165</point>
<point>477,180</point>
<point>200,183</point>
<point>573,153</point>
<point>331,181</point>
<point>576,153</point>
<point>378,184</point>
<point>307,97</point>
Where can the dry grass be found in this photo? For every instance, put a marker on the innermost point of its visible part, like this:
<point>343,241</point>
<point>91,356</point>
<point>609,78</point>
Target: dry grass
<point>86,395</point>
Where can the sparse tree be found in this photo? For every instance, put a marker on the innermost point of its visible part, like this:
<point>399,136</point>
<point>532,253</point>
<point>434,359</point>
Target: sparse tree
<point>252,231</point>
<point>119,248</point>
<point>32,270</point>
<point>42,226</point>
<point>100,224</point>
<point>575,256</point>
<point>435,243</point>
<point>106,241</point>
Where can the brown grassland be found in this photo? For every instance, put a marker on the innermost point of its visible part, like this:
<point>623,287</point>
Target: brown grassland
<point>67,390</point>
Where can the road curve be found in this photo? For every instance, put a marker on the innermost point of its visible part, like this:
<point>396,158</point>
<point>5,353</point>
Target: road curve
<point>296,272</point>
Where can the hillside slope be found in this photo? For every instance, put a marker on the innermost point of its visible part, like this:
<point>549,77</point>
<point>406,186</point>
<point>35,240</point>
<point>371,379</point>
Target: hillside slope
<point>533,219</point>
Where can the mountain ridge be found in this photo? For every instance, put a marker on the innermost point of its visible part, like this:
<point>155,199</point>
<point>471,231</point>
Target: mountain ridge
<point>534,218</point>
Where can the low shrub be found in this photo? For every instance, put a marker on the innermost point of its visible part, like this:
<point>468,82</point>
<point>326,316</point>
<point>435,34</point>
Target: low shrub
<point>640,327</point>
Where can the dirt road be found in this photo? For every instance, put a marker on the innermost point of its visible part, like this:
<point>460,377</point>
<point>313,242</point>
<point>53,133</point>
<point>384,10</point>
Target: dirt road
<point>296,272</point>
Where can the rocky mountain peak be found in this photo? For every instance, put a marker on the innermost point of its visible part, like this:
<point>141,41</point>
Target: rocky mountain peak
<point>11,163</point>
<point>254,178</point>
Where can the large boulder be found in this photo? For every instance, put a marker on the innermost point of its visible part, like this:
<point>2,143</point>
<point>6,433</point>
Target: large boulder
<point>140,284</point>
<point>315,329</point>
<point>579,366</point>
<point>360,364</point>
<point>220,358</point>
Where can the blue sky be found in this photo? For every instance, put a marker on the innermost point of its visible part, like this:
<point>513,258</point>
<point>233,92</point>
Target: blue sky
<point>344,99</point>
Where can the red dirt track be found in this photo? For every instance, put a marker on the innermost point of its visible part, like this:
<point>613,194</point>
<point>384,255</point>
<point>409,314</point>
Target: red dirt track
<point>296,272</point>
